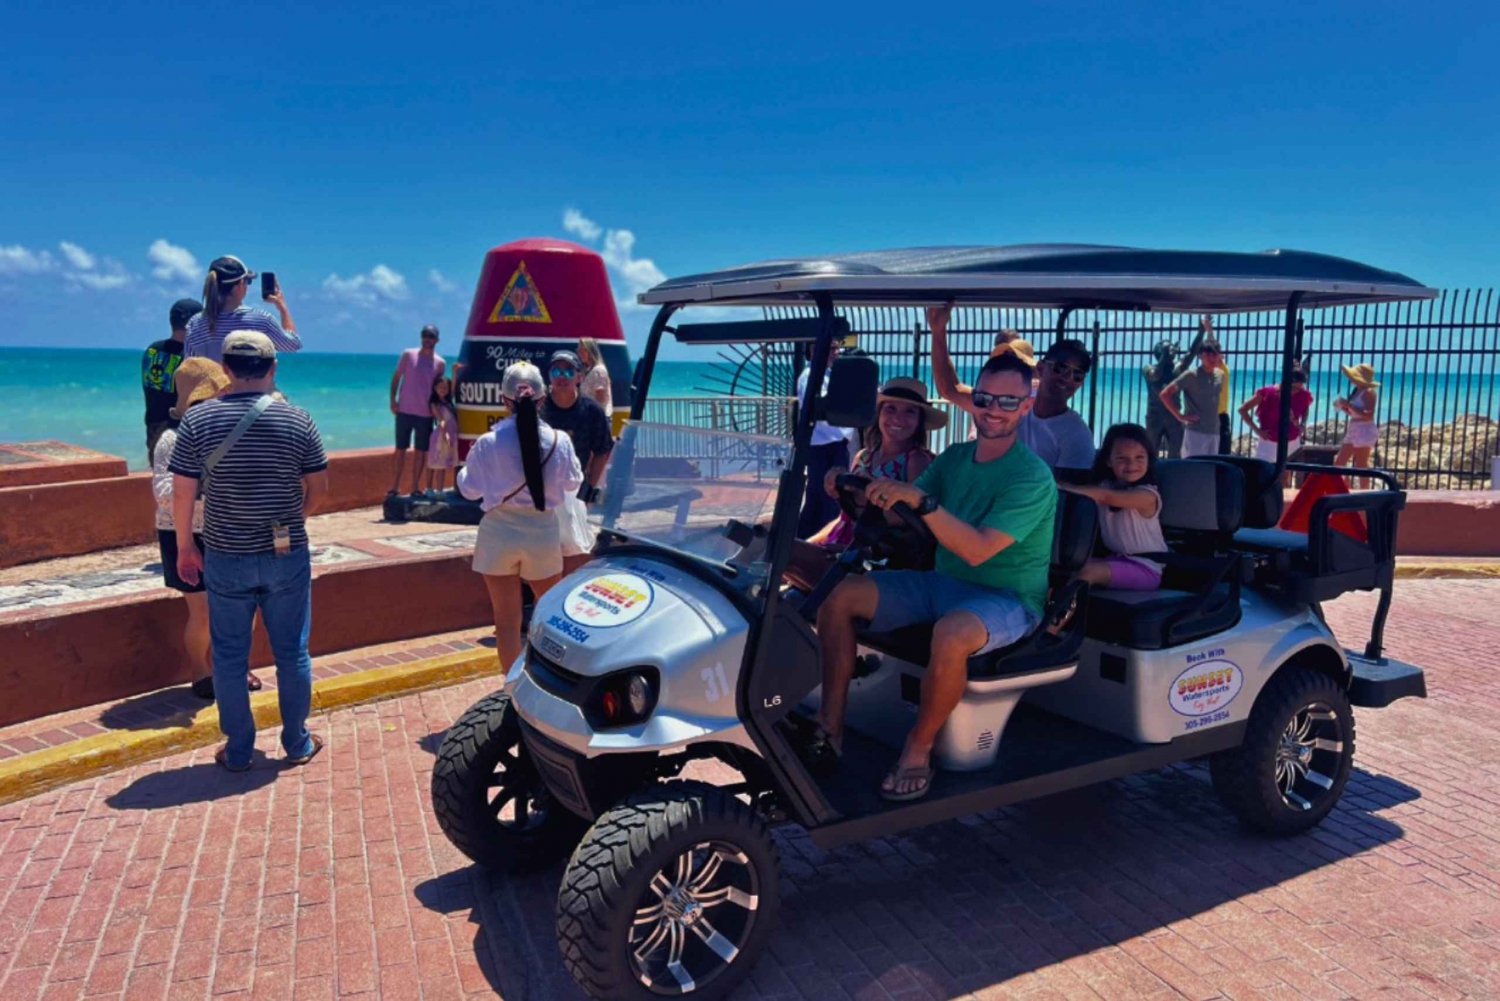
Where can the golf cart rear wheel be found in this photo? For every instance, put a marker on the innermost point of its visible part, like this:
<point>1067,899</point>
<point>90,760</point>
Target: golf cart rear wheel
<point>1295,761</point>
<point>671,893</point>
<point>488,797</point>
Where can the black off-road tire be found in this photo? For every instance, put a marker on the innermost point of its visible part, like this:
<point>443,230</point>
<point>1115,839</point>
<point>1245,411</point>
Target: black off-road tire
<point>611,871</point>
<point>484,745</point>
<point>1245,778</point>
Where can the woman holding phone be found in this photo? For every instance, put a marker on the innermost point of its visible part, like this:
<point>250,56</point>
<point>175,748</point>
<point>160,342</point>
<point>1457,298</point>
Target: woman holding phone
<point>224,310</point>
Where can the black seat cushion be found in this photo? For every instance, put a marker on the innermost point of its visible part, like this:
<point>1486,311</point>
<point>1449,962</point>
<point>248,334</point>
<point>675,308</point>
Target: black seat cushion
<point>1154,620</point>
<point>1293,572</point>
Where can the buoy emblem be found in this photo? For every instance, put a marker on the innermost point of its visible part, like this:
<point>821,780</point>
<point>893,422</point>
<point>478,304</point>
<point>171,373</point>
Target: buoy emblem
<point>520,302</point>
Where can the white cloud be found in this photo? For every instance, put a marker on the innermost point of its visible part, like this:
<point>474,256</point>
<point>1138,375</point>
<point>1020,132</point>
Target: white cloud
<point>18,260</point>
<point>101,281</point>
<point>577,223</point>
<point>173,261</point>
<point>380,284</point>
<point>77,256</point>
<point>440,282</point>
<point>630,275</point>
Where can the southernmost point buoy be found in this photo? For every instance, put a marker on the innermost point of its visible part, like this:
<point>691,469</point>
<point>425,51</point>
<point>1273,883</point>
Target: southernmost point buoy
<point>535,297</point>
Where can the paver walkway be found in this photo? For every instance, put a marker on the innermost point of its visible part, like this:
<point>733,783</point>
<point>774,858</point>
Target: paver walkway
<point>178,880</point>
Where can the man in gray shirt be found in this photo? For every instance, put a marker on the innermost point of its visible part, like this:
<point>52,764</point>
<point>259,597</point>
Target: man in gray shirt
<point>1200,388</point>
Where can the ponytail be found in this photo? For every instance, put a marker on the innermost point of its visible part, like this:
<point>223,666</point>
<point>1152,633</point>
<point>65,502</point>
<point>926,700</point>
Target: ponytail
<point>211,304</point>
<point>528,431</point>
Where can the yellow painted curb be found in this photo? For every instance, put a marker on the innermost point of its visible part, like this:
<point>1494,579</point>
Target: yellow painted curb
<point>1447,569</point>
<point>29,774</point>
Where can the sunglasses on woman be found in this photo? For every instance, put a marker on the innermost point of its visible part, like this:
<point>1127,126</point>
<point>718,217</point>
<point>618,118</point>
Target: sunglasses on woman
<point>987,401</point>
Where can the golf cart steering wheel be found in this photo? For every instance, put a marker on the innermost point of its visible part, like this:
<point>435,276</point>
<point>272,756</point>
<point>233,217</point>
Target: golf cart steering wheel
<point>909,544</point>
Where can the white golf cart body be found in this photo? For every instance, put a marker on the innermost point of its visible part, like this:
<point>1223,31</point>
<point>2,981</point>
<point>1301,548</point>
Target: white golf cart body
<point>678,641</point>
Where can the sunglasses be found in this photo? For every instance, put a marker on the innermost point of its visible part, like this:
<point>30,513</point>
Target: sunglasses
<point>988,401</point>
<point>563,371</point>
<point>1071,371</point>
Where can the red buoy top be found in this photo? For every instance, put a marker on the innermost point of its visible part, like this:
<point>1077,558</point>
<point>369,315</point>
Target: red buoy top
<point>544,289</point>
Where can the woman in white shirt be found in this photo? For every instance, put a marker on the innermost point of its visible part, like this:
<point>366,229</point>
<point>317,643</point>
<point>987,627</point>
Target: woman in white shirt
<point>520,472</point>
<point>596,377</point>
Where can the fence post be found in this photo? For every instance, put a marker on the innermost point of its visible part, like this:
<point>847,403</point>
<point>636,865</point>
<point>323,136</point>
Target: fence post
<point>1094,382</point>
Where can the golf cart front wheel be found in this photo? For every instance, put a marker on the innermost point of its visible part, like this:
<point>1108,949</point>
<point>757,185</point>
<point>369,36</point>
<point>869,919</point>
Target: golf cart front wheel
<point>671,893</point>
<point>488,797</point>
<point>1295,761</point>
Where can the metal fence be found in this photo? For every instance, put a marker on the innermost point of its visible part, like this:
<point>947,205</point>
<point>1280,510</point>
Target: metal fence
<point>1436,361</point>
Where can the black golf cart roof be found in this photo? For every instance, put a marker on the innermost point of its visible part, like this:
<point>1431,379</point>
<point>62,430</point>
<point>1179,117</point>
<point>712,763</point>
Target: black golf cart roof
<point>1051,276</point>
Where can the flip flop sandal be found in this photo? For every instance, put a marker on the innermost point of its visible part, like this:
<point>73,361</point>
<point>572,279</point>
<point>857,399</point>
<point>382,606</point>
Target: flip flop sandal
<point>317,745</point>
<point>253,682</point>
<point>899,775</point>
<point>222,757</point>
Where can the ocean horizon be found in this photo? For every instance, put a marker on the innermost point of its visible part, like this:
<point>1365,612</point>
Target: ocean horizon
<point>92,396</point>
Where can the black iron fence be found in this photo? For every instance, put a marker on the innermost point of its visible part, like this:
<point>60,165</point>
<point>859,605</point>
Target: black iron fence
<point>1439,404</point>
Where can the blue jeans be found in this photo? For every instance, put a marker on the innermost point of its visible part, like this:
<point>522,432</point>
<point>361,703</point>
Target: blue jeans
<point>281,587</point>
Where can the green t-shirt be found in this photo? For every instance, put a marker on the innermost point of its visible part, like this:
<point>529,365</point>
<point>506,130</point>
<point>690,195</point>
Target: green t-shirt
<point>1015,494</point>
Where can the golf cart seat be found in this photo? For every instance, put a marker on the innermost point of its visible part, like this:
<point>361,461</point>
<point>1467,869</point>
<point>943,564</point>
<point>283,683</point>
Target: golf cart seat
<point>1057,638</point>
<point>1322,563</point>
<point>1202,508</point>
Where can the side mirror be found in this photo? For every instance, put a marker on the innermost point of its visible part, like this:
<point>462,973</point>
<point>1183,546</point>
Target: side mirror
<point>852,388</point>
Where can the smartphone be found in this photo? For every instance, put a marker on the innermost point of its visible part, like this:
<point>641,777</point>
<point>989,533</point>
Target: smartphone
<point>268,286</point>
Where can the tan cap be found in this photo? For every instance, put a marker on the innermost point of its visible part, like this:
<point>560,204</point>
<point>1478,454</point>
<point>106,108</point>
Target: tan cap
<point>249,344</point>
<point>197,379</point>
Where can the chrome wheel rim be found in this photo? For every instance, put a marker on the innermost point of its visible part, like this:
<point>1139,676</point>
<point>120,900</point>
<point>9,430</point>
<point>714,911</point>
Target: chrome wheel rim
<point>694,918</point>
<point>1308,756</point>
<point>515,794</point>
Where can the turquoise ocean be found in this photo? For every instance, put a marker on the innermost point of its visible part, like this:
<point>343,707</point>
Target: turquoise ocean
<point>92,397</point>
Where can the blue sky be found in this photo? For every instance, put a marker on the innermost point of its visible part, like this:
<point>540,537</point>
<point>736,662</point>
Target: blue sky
<point>370,154</point>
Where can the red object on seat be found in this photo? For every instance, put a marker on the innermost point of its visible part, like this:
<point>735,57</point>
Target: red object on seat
<point>1299,511</point>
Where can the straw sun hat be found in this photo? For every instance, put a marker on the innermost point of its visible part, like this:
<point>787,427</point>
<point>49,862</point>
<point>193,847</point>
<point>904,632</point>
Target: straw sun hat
<point>197,379</point>
<point>1019,347</point>
<point>904,389</point>
<point>1361,375</point>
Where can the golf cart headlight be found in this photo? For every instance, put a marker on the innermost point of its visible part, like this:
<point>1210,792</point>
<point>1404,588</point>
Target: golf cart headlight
<point>638,695</point>
<point>624,698</point>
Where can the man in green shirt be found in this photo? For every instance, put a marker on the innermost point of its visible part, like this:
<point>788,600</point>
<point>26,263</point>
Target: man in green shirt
<point>990,504</point>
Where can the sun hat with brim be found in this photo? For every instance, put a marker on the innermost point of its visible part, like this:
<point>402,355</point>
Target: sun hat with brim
<point>197,379</point>
<point>1361,375</point>
<point>904,389</point>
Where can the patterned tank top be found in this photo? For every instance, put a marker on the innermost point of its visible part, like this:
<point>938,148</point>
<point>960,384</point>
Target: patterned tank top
<point>890,469</point>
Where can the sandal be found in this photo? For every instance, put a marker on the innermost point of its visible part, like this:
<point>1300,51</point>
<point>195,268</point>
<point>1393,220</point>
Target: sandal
<point>222,758</point>
<point>898,775</point>
<point>253,682</point>
<point>317,745</point>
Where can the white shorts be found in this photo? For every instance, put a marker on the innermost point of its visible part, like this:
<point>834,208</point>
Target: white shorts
<point>1199,442</point>
<point>1267,449</point>
<point>573,527</point>
<point>1362,434</point>
<point>518,540</point>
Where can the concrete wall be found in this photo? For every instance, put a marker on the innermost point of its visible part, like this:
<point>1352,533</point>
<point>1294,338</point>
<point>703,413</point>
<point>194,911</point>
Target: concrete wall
<point>1450,523</point>
<point>75,657</point>
<point>65,519</point>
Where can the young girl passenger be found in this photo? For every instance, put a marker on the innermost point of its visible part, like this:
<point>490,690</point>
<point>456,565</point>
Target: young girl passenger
<point>443,455</point>
<point>1129,511</point>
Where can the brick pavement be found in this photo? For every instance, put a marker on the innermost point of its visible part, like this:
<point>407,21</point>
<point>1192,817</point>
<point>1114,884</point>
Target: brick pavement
<point>177,880</point>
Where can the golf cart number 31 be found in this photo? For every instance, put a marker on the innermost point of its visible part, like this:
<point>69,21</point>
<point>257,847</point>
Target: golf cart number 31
<point>716,686</point>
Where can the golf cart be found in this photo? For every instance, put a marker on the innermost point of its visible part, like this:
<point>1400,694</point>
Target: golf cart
<point>679,643</point>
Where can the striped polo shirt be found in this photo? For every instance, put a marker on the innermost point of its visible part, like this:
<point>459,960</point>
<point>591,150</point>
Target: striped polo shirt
<point>201,343</point>
<point>259,480</point>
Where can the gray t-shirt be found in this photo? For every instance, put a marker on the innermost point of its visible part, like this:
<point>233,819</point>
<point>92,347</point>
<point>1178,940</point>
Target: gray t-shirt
<point>1201,389</point>
<point>1062,442</point>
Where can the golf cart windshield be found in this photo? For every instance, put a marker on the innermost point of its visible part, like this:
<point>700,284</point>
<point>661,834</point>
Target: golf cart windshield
<point>695,490</point>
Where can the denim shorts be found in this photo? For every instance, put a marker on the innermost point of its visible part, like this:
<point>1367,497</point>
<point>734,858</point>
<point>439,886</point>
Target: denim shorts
<point>909,597</point>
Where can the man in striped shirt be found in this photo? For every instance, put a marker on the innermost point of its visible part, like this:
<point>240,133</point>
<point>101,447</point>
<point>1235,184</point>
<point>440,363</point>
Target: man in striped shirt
<point>224,310</point>
<point>256,499</point>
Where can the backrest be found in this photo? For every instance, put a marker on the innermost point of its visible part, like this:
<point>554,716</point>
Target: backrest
<point>1263,495</point>
<point>1075,526</point>
<point>1200,501</point>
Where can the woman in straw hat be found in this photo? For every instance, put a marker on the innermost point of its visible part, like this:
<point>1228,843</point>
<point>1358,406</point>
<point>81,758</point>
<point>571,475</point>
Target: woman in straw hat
<point>895,448</point>
<point>196,380</point>
<point>1362,434</point>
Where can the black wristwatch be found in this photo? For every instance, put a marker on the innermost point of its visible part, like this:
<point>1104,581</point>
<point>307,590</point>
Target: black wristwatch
<point>588,493</point>
<point>928,504</point>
